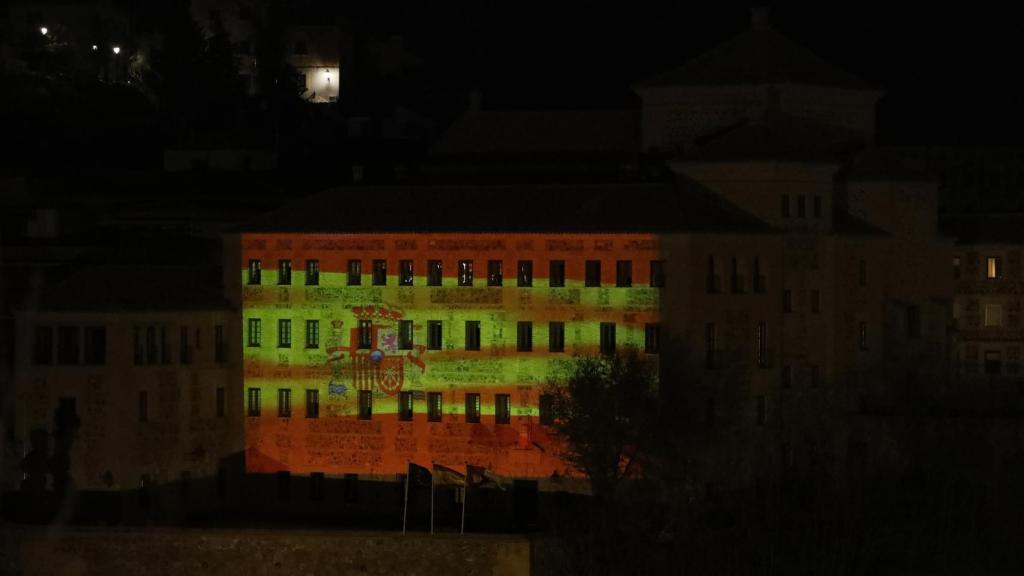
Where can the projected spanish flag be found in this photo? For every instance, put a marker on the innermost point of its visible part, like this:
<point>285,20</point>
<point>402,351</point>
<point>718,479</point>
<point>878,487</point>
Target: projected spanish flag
<point>364,352</point>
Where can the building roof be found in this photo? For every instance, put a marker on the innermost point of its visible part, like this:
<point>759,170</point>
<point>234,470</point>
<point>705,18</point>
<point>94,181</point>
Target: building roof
<point>990,228</point>
<point>533,134</point>
<point>624,207</point>
<point>118,288</point>
<point>776,136</point>
<point>758,56</point>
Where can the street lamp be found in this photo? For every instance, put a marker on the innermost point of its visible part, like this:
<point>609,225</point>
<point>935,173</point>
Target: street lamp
<point>95,47</point>
<point>117,50</point>
<point>44,30</point>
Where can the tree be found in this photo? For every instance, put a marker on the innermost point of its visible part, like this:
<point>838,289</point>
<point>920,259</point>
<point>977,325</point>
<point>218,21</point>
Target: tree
<point>605,409</point>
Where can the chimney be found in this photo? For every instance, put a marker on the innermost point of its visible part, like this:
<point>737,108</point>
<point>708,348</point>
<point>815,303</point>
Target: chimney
<point>759,18</point>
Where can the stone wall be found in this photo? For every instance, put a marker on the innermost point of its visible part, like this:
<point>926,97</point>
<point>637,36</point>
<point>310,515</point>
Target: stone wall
<point>59,550</point>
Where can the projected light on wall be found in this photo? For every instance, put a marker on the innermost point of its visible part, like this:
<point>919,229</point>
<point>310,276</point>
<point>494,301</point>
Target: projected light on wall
<point>365,352</point>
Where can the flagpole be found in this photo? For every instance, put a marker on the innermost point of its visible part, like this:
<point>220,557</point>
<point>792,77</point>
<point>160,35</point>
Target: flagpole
<point>431,504</point>
<point>405,507</point>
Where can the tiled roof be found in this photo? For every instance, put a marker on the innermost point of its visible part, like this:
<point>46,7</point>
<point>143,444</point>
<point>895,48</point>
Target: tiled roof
<point>625,207</point>
<point>757,57</point>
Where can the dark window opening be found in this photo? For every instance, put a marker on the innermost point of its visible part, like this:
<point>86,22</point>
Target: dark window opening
<point>284,333</point>
<point>284,272</point>
<point>434,272</point>
<point>365,334</point>
<point>434,406</point>
<point>546,412</point>
<point>652,338</point>
<point>313,403</point>
<point>592,273</point>
<point>556,337</point>
<point>254,272</point>
<point>607,338</point>
<point>405,406</point>
<point>465,272</point>
<point>95,352</point>
<point>502,408</point>
<point>524,273</point>
<point>355,272</point>
<point>254,402</point>
<point>524,336</point>
<point>284,403</point>
<point>472,335</point>
<point>624,273</point>
<point>365,405</point>
<point>380,273</point>
<point>556,273</point>
<point>42,348</point>
<point>494,275</point>
<point>433,334</point>
<point>472,407</point>
<point>312,272</point>
<point>405,272</point>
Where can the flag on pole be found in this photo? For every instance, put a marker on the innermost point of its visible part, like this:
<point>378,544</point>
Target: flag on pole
<point>445,476</point>
<point>480,477</point>
<point>419,475</point>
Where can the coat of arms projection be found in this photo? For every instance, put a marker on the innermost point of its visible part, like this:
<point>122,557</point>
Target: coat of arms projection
<point>365,352</point>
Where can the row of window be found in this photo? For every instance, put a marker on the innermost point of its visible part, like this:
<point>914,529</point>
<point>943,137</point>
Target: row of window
<point>152,345</point>
<point>465,273</point>
<point>73,345</point>
<point>737,279</point>
<point>406,406</point>
<point>815,301</point>
<point>993,267</point>
<point>524,335</point>
<point>801,206</point>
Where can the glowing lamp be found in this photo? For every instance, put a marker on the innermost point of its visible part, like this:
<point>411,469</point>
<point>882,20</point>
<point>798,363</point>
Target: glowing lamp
<point>44,30</point>
<point>117,49</point>
<point>95,47</point>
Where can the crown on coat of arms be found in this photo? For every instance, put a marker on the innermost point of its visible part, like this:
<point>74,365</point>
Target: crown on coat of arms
<point>376,313</point>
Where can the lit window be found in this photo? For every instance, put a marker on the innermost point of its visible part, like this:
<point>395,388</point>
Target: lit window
<point>472,407</point>
<point>284,272</point>
<point>284,333</point>
<point>993,315</point>
<point>995,267</point>
<point>465,272</point>
<point>355,272</point>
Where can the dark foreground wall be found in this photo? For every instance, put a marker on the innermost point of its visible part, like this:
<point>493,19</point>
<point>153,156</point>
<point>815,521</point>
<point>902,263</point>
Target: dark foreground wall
<point>153,552</point>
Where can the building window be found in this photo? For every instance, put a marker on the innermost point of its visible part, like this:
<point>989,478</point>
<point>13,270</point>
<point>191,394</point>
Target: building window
<point>494,276</point>
<point>556,273</point>
<point>817,206</point>
<point>993,315</point>
<point>762,344</point>
<point>657,273</point>
<point>502,408</point>
<point>762,411</point>
<point>434,272</point>
<point>787,377</point>
<point>380,273</point>
<point>787,301</point>
<point>284,272</point>
<point>165,348</point>
<point>405,406</point>
<point>140,347</point>
<point>355,272</point>
<point>366,405</point>
<point>652,338</point>
<point>254,402</point>
<point>815,375</point>
<point>284,333</point>
<point>433,406</point>
<point>546,410</point>
<point>184,351</point>
<point>592,271</point>
<point>785,205</point>
<point>714,281</point>
<point>524,336</point>
<point>738,284</point>
<point>68,345</point>
<point>433,334</point>
<point>405,272</point>
<point>956,267</point>
<point>801,206</point>
<point>760,282</point>
<point>472,335</point>
<point>913,322</point>
<point>152,352</point>
<point>710,353</point>
<point>95,345</point>
<point>556,337</point>
<point>815,301</point>
<point>624,273</point>
<point>219,344</point>
<point>607,338</point>
<point>993,362</point>
<point>254,272</point>
<point>220,403</point>
<point>862,335</point>
<point>143,406</point>
<point>313,402</point>
<point>472,408</point>
<point>42,347</point>
<point>365,334</point>
<point>524,273</point>
<point>312,333</point>
<point>994,267</point>
<point>465,272</point>
<point>284,403</point>
<point>862,273</point>
<point>255,336</point>
<point>405,335</point>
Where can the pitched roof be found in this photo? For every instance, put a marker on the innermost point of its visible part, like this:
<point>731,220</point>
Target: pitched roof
<point>777,136</point>
<point>625,207</point>
<point>758,56</point>
<point>107,288</point>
